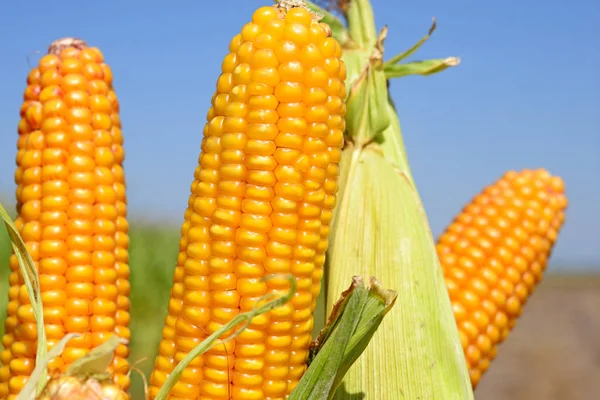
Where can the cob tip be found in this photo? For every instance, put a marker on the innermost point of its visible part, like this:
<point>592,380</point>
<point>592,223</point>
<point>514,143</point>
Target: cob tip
<point>60,44</point>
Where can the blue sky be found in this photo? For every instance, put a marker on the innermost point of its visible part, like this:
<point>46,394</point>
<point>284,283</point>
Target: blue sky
<point>525,96</point>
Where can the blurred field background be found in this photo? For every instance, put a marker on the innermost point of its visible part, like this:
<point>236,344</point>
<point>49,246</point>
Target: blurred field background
<point>553,353</point>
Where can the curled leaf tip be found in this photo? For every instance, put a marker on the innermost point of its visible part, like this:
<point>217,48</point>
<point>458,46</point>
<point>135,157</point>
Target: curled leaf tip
<point>433,26</point>
<point>388,296</point>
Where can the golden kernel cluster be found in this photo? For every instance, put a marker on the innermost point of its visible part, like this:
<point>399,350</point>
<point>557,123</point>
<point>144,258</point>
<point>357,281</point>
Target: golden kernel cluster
<point>493,255</point>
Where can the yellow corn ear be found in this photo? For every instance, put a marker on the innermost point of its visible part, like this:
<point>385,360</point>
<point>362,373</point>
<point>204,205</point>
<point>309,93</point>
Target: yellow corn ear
<point>261,203</point>
<point>71,209</point>
<point>494,253</point>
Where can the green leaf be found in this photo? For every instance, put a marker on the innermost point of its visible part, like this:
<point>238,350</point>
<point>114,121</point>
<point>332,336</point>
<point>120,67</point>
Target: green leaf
<point>338,29</point>
<point>377,304</point>
<point>30,276</point>
<point>353,320</point>
<point>366,118</point>
<point>361,23</point>
<point>355,60</point>
<point>29,390</point>
<point>381,229</point>
<point>317,381</point>
<point>95,363</point>
<point>397,58</point>
<point>209,341</point>
<point>393,144</point>
<point>427,67</point>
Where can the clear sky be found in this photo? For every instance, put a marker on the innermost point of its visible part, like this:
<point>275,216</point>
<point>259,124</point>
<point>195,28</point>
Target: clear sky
<point>525,96</point>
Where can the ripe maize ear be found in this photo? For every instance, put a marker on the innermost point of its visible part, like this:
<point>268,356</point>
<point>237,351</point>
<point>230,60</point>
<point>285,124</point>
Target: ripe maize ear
<point>261,203</point>
<point>71,209</point>
<point>494,253</point>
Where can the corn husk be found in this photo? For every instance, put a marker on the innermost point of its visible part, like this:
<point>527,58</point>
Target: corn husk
<point>380,229</point>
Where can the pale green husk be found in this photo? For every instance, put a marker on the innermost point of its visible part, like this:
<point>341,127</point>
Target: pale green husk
<point>380,229</point>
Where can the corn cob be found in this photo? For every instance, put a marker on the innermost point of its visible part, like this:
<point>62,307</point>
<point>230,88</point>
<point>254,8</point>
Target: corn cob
<point>494,253</point>
<point>261,203</point>
<point>71,214</point>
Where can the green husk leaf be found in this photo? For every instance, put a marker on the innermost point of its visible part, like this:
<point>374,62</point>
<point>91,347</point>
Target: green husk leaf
<point>338,29</point>
<point>352,322</point>
<point>29,390</point>
<point>372,316</point>
<point>393,145</point>
<point>317,381</point>
<point>399,57</point>
<point>417,344</point>
<point>361,23</point>
<point>30,276</point>
<point>332,322</point>
<point>97,360</point>
<point>366,117</point>
<point>246,317</point>
<point>427,67</point>
<point>355,60</point>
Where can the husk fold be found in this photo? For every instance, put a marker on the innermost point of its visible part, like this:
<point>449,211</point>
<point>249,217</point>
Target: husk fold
<point>380,229</point>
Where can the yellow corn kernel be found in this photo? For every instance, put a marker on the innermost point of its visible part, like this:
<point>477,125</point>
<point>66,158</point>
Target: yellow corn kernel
<point>261,203</point>
<point>493,255</point>
<point>71,206</point>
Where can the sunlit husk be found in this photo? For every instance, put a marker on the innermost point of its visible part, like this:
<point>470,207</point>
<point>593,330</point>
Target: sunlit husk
<point>381,230</point>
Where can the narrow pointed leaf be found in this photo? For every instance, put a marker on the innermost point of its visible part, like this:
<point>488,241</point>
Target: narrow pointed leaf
<point>377,304</point>
<point>354,318</point>
<point>30,276</point>
<point>427,67</point>
<point>336,312</point>
<point>399,57</point>
<point>317,381</point>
